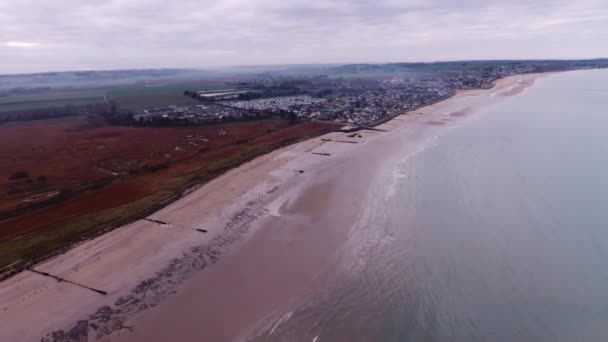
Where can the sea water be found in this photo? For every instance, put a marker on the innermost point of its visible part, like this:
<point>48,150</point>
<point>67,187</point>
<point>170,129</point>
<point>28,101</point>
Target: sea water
<point>496,232</point>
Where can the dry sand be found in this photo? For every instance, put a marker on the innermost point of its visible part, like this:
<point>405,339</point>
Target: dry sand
<point>272,227</point>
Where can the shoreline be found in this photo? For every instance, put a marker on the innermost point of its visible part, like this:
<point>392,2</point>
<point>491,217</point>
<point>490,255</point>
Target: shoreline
<point>29,264</point>
<point>234,208</point>
<point>92,220</point>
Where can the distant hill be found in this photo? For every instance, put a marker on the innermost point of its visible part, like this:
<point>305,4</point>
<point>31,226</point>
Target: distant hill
<point>461,65</point>
<point>41,82</point>
<point>94,78</point>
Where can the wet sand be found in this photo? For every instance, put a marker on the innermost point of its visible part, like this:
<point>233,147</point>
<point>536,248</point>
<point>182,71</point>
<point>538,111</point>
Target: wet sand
<point>272,230</point>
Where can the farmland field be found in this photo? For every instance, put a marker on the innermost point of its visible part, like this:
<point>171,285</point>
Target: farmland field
<point>128,97</point>
<point>69,179</point>
<point>145,96</point>
<point>15,107</point>
<point>51,99</point>
<point>131,97</point>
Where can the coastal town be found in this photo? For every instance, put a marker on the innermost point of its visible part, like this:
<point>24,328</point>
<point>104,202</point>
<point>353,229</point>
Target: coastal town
<point>353,95</point>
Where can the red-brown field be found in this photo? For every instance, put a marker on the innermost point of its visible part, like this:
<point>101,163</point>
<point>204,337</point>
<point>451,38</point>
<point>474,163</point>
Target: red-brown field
<point>68,179</point>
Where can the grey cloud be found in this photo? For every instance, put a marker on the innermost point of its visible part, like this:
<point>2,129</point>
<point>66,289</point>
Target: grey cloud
<point>78,34</point>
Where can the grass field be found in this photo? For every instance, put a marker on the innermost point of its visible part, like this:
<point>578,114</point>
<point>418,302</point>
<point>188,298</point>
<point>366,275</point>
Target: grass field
<point>76,180</point>
<point>129,97</point>
<point>54,96</point>
<point>146,96</point>
<point>51,99</point>
<point>15,107</point>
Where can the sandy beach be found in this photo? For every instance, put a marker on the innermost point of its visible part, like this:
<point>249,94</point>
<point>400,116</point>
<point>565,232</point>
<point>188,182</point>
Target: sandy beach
<point>273,225</point>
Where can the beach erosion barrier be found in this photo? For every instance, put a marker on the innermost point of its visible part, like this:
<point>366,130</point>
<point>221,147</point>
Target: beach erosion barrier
<point>63,280</point>
<point>340,141</point>
<point>173,225</point>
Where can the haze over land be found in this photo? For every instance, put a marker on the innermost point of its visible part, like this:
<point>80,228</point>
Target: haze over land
<point>42,36</point>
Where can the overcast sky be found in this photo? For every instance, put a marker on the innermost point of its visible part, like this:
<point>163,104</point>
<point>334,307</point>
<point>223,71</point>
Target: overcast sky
<point>44,35</point>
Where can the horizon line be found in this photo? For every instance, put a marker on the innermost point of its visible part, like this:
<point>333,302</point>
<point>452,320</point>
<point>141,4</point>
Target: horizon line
<point>219,68</point>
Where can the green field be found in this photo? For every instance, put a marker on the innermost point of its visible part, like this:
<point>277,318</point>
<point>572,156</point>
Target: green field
<point>140,96</point>
<point>48,104</point>
<point>51,99</point>
<point>133,97</point>
<point>54,96</point>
